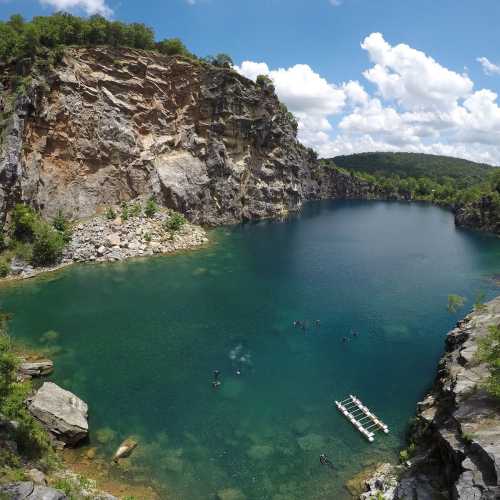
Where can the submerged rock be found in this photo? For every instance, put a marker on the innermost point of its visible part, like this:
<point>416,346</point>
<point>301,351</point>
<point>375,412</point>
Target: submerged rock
<point>62,413</point>
<point>260,452</point>
<point>230,494</point>
<point>125,449</point>
<point>311,442</point>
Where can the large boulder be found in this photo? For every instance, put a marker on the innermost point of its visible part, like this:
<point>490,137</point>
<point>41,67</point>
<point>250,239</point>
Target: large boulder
<point>61,412</point>
<point>30,491</point>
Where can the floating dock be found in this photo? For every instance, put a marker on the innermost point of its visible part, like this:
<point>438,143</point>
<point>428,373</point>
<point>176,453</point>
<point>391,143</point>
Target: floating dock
<point>361,417</point>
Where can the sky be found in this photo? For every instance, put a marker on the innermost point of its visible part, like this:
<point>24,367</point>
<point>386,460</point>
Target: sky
<point>359,75</point>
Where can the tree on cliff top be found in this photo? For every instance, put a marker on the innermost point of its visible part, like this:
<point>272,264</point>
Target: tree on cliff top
<point>489,353</point>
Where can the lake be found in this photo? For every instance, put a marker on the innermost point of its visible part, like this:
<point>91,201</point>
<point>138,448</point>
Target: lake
<point>139,341</point>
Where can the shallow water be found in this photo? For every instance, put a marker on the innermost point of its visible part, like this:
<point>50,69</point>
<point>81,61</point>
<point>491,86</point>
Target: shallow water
<point>139,341</point>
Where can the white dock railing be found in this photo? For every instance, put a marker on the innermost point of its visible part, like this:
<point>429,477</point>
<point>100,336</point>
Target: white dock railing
<point>361,417</point>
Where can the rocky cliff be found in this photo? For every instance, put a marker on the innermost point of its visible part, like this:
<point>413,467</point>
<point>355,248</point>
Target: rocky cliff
<point>109,125</point>
<point>457,430</point>
<point>483,214</point>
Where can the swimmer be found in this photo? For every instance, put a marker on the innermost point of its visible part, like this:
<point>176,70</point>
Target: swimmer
<point>317,322</point>
<point>216,384</point>
<point>238,372</point>
<point>216,374</point>
<point>344,339</point>
<point>324,460</point>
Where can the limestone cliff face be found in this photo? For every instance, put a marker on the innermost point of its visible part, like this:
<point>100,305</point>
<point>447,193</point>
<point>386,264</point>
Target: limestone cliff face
<point>109,125</point>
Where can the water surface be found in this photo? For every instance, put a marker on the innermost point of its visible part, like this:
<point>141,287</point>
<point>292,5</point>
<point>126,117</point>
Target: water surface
<point>139,342</point>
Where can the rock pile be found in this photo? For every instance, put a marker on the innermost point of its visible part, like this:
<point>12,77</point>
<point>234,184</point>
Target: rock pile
<point>101,240</point>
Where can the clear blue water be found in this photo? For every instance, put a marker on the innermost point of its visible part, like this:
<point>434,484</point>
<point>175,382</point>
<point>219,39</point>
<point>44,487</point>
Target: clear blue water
<point>139,341</point>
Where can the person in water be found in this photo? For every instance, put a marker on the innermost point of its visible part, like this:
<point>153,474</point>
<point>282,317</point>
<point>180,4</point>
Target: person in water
<point>317,323</point>
<point>344,339</point>
<point>216,384</point>
<point>216,374</point>
<point>324,460</point>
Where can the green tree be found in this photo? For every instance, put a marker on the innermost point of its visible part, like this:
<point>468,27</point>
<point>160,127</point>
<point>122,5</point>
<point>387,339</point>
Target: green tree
<point>24,221</point>
<point>455,302</point>
<point>173,47</point>
<point>48,245</point>
<point>489,353</point>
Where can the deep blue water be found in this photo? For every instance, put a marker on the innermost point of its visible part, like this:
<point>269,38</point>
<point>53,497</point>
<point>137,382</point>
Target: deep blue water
<point>139,341</point>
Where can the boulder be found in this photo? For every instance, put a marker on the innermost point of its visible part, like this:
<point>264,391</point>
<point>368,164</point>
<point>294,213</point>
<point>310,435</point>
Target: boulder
<point>114,239</point>
<point>30,491</point>
<point>61,413</point>
<point>36,368</point>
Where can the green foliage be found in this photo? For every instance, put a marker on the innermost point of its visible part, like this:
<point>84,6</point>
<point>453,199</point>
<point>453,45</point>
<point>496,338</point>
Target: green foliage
<point>4,268</point>
<point>175,222</point>
<point>147,237</point>
<point>455,302</point>
<point>61,223</point>
<point>220,60</point>
<point>436,168</point>
<point>264,81</point>
<point>151,208</point>
<point>125,212</point>
<point>24,221</point>
<point>479,301</point>
<point>47,246</point>
<point>110,214</point>
<point>489,353</point>
<point>47,35</point>
<point>173,47</point>
<point>135,210</point>
<point>30,437</point>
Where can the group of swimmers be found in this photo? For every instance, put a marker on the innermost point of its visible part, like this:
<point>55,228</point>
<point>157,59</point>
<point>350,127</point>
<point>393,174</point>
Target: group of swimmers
<point>216,383</point>
<point>297,323</point>
<point>354,334</point>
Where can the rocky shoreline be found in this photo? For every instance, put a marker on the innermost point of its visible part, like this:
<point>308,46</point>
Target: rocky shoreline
<point>99,239</point>
<point>455,441</point>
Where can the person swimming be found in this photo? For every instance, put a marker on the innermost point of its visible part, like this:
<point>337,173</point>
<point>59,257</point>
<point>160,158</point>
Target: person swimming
<point>216,374</point>
<point>216,384</point>
<point>324,460</point>
<point>344,339</point>
<point>317,323</point>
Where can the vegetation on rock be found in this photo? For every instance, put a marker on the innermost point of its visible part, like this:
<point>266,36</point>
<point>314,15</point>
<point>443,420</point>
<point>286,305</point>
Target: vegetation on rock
<point>489,352</point>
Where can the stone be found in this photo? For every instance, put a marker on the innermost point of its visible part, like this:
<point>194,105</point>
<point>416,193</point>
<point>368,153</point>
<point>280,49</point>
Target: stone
<point>37,476</point>
<point>29,491</point>
<point>125,449</point>
<point>36,368</point>
<point>62,413</point>
<point>114,240</point>
<point>101,250</point>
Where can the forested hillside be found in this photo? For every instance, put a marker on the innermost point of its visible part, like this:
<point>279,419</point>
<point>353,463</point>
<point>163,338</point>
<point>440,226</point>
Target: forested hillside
<point>436,168</point>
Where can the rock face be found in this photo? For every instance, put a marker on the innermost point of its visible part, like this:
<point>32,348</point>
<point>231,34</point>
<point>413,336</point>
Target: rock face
<point>36,368</point>
<point>61,412</point>
<point>109,125</point>
<point>30,491</point>
<point>481,214</point>
<point>457,432</point>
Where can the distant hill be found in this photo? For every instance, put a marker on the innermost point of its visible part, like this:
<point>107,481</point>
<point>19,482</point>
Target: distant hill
<point>415,165</point>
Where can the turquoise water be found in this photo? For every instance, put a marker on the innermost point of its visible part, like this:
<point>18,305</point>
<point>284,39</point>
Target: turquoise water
<point>139,341</point>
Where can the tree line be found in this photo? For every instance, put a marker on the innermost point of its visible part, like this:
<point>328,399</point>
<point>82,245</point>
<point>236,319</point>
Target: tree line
<point>21,39</point>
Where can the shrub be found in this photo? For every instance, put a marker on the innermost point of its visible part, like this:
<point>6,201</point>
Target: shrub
<point>455,302</point>
<point>135,210</point>
<point>489,353</point>
<point>264,81</point>
<point>110,214</point>
<point>4,268</point>
<point>61,224</point>
<point>125,211</point>
<point>47,246</point>
<point>24,221</point>
<point>175,222</point>
<point>151,207</point>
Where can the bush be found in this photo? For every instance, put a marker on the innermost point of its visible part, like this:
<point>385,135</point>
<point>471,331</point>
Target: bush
<point>61,224</point>
<point>264,81</point>
<point>4,268</point>
<point>47,246</point>
<point>125,211</point>
<point>151,207</point>
<point>135,210</point>
<point>110,214</point>
<point>24,221</point>
<point>175,222</point>
<point>489,353</point>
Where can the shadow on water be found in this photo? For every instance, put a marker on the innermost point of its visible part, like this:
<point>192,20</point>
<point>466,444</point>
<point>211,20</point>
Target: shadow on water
<point>140,340</point>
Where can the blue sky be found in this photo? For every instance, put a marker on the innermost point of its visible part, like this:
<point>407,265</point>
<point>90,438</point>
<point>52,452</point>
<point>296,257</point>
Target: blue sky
<point>414,112</point>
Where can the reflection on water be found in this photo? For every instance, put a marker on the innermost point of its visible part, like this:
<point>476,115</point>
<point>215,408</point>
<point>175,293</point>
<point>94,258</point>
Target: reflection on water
<point>140,342</point>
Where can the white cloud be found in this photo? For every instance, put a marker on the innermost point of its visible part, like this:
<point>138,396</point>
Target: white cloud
<point>489,68</point>
<point>412,78</point>
<point>418,105</point>
<point>88,6</point>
